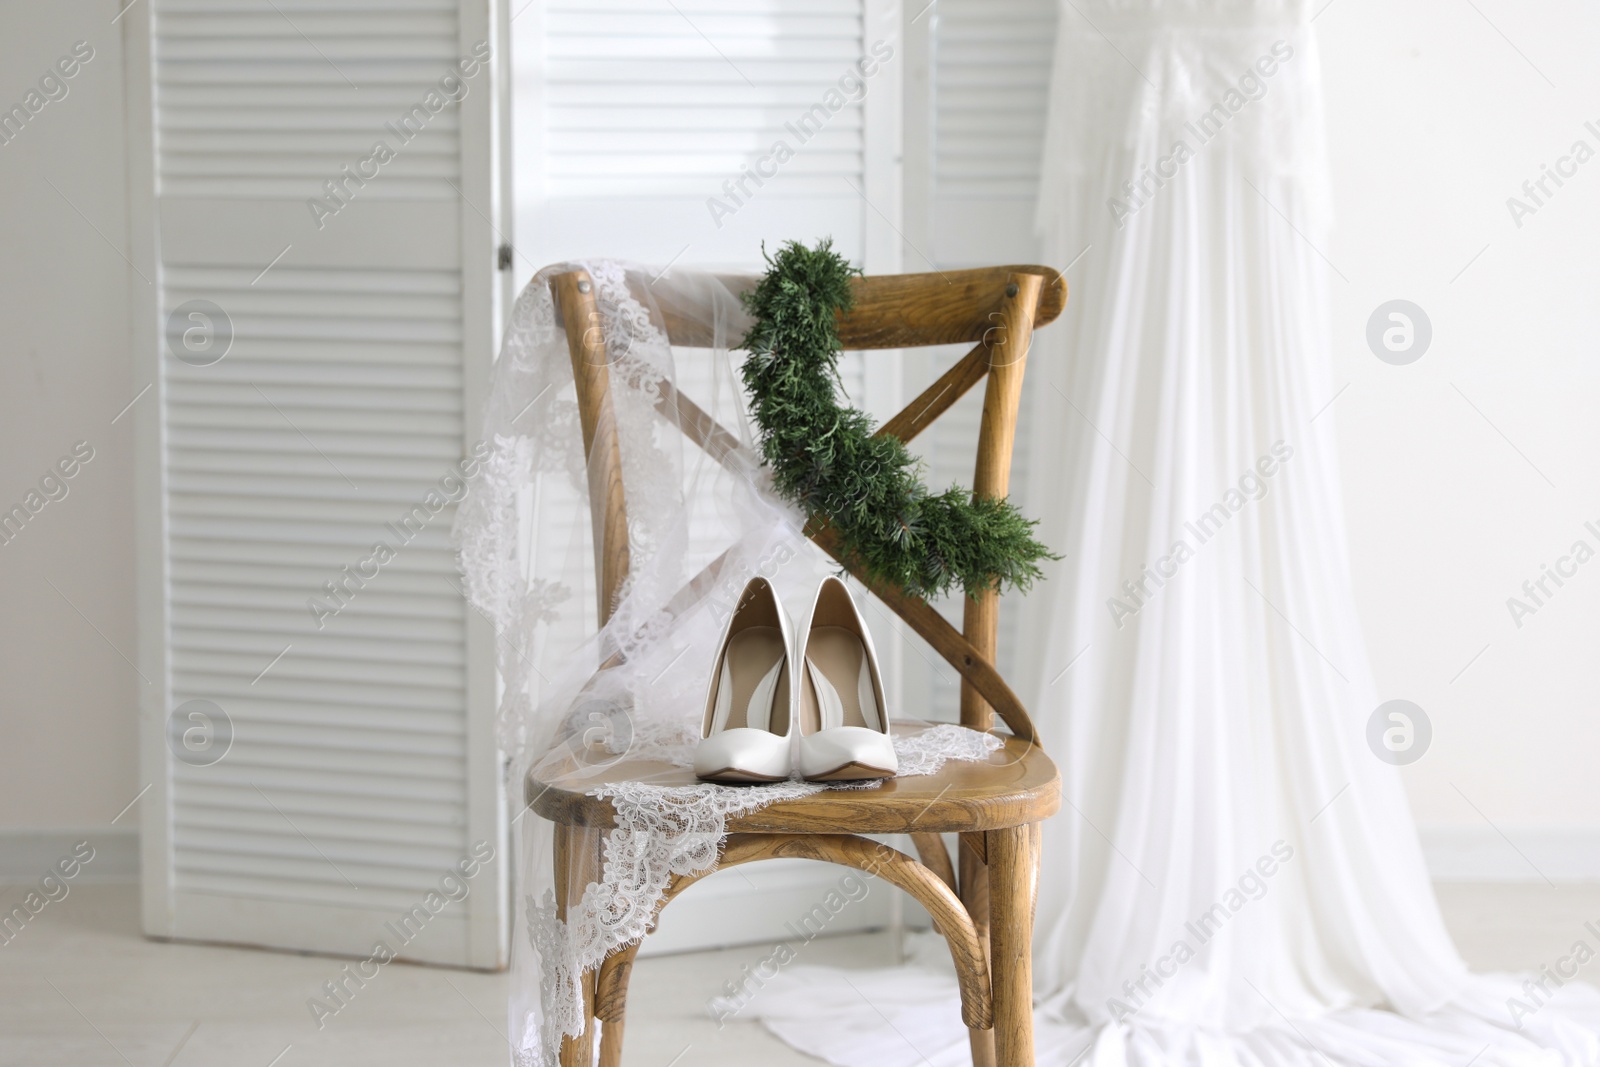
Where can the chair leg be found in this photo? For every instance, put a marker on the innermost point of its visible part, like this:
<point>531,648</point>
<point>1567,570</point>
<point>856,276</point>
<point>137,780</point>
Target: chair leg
<point>611,1043</point>
<point>577,852</point>
<point>974,883</point>
<point>1013,869</point>
<point>611,1002</point>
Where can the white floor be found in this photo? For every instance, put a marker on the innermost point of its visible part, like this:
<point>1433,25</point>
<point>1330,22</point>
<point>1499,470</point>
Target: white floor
<point>79,988</point>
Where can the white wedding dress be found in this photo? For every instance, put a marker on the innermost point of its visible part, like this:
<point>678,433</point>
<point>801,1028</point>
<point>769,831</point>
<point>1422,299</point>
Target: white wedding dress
<point>1234,876</point>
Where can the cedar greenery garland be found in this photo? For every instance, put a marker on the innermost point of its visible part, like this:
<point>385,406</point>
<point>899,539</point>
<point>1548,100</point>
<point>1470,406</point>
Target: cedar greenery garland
<point>825,458</point>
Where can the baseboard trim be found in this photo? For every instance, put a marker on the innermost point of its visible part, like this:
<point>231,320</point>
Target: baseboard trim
<point>27,855</point>
<point>1482,854</point>
<point>754,903</point>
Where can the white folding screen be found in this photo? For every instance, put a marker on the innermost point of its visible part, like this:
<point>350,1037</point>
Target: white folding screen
<point>989,83</point>
<point>649,131</point>
<point>352,290</point>
<point>315,317</point>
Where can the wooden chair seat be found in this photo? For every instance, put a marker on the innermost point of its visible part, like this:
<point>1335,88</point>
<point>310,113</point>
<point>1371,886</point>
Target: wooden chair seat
<point>1016,784</point>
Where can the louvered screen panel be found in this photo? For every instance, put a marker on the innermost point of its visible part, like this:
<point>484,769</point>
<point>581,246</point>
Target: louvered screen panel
<point>367,709</point>
<point>640,113</point>
<point>644,111</point>
<point>250,108</point>
<point>635,113</point>
<point>990,83</point>
<point>653,99</point>
<point>990,80</point>
<point>361,768</point>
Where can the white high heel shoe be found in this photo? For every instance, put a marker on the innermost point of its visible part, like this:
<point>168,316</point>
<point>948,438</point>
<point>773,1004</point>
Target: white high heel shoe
<point>744,736</point>
<point>844,720</point>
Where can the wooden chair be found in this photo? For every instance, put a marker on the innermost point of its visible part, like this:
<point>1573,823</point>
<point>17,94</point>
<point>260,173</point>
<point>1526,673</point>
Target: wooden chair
<point>982,902</point>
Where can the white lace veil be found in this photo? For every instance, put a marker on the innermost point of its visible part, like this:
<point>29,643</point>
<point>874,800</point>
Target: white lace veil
<point>527,551</point>
<point>576,700</point>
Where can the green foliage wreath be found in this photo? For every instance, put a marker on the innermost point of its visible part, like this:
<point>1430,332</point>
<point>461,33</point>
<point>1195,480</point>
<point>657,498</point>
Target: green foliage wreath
<point>825,458</point>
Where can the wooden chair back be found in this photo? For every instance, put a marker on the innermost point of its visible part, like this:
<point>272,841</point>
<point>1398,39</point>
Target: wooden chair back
<point>995,309</point>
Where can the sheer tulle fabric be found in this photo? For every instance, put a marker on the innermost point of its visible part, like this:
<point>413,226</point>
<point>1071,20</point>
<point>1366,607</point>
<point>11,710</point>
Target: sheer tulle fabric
<point>1234,877</point>
<point>578,697</point>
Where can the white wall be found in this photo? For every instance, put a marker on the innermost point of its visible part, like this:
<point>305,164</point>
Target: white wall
<point>68,757</point>
<point>1435,119</point>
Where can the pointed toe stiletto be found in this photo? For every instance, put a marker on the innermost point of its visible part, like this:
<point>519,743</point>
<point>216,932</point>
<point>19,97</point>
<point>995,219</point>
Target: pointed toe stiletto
<point>844,720</point>
<point>744,736</point>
